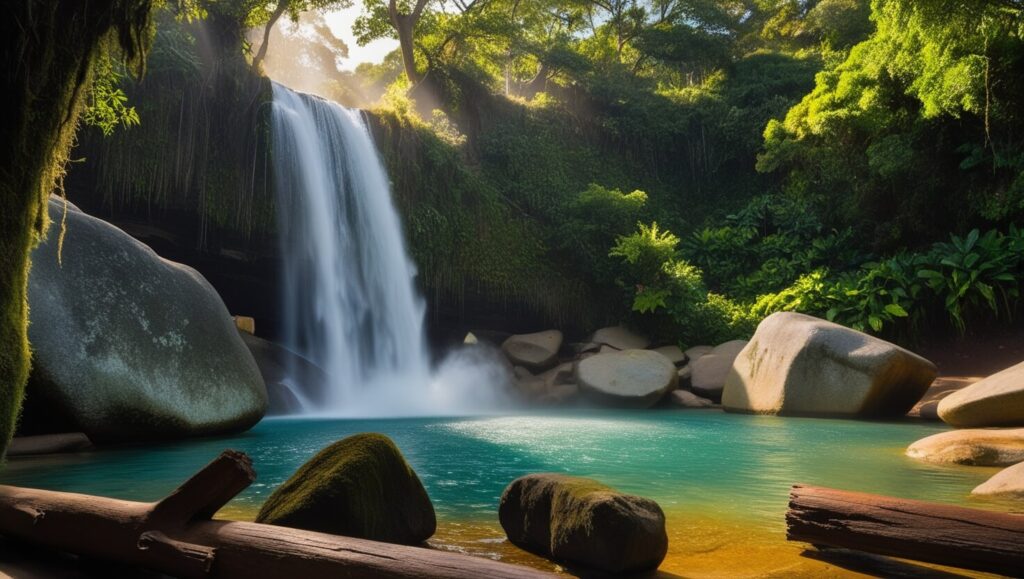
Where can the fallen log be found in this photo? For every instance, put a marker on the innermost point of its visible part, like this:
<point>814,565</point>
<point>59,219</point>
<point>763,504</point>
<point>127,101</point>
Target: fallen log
<point>921,531</point>
<point>176,536</point>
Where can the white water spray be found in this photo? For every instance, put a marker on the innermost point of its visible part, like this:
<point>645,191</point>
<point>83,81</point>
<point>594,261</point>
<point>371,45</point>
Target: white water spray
<point>350,303</point>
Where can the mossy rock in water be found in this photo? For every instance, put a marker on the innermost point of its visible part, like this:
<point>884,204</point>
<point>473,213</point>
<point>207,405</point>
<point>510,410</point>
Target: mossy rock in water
<point>358,487</point>
<point>579,521</point>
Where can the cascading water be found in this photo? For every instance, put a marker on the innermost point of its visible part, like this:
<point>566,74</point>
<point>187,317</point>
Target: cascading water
<point>350,303</point>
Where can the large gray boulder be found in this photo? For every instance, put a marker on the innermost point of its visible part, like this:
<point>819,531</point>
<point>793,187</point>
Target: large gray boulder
<point>582,522</point>
<point>801,365</point>
<point>995,401</point>
<point>128,346</point>
<point>630,379</point>
<point>974,447</point>
<point>710,370</point>
<point>537,351</point>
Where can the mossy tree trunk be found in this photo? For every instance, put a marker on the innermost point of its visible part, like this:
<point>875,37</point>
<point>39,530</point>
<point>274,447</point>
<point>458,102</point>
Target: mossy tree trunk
<point>48,48</point>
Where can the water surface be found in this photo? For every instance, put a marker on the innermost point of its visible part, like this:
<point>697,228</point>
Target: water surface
<point>722,479</point>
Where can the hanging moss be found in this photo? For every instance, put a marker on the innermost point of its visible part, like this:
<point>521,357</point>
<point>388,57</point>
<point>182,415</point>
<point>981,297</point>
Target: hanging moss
<point>468,241</point>
<point>49,47</point>
<point>203,144</point>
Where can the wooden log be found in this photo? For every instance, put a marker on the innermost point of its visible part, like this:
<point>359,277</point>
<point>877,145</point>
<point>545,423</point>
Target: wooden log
<point>909,529</point>
<point>176,537</point>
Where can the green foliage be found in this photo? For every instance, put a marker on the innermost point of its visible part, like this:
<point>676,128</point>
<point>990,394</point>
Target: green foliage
<point>107,104</point>
<point>669,293</point>
<point>920,117</point>
<point>974,273</point>
<point>768,244</point>
<point>977,277</point>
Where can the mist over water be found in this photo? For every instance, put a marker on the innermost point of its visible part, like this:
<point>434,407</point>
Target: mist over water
<point>350,303</point>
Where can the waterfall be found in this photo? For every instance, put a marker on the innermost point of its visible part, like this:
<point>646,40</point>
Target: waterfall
<point>350,303</point>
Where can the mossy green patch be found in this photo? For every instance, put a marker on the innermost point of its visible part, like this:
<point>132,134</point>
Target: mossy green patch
<point>581,521</point>
<point>359,487</point>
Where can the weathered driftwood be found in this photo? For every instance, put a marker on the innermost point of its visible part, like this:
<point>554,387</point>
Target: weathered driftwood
<point>929,532</point>
<point>176,536</point>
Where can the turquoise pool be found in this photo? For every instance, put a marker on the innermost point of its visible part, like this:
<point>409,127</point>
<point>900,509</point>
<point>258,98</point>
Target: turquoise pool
<point>721,478</point>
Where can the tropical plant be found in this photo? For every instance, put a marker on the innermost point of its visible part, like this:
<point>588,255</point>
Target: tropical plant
<point>974,273</point>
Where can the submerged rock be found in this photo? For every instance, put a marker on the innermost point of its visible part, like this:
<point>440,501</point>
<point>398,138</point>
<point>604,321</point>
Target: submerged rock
<point>128,346</point>
<point>975,447</point>
<point>358,487</point>
<point>995,401</point>
<point>537,351</point>
<point>632,378</point>
<point>686,399</point>
<point>620,338</point>
<point>801,365</point>
<point>1007,483</point>
<point>710,370</point>
<point>580,521</point>
<point>49,444</point>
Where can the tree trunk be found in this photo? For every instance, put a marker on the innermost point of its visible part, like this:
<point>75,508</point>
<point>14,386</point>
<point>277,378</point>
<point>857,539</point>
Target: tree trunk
<point>176,537</point>
<point>257,60</point>
<point>404,25</point>
<point>48,47</point>
<point>929,532</point>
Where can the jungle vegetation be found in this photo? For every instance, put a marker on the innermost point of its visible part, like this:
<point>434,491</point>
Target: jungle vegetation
<point>687,165</point>
<point>692,165</point>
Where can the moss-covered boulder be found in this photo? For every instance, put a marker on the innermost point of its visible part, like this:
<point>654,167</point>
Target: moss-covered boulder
<point>358,487</point>
<point>130,347</point>
<point>581,522</point>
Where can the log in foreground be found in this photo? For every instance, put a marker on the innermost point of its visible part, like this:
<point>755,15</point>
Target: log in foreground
<point>922,531</point>
<point>176,536</point>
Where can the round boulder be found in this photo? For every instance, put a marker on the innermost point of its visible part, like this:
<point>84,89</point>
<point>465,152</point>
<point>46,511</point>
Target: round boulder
<point>974,447</point>
<point>620,338</point>
<point>130,347</point>
<point>710,370</point>
<point>582,522</point>
<point>995,401</point>
<point>697,351</point>
<point>1007,483</point>
<point>360,486</point>
<point>801,365</point>
<point>631,378</point>
<point>673,353</point>
<point>537,351</point>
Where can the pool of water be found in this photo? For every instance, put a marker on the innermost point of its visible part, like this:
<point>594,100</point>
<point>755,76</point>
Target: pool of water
<point>722,479</point>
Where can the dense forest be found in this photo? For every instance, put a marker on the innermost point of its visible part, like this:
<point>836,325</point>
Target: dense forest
<point>693,165</point>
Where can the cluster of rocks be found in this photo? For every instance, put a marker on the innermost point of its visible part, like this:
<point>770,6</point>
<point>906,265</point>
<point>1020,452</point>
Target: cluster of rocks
<point>617,367</point>
<point>363,487</point>
<point>986,413</point>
